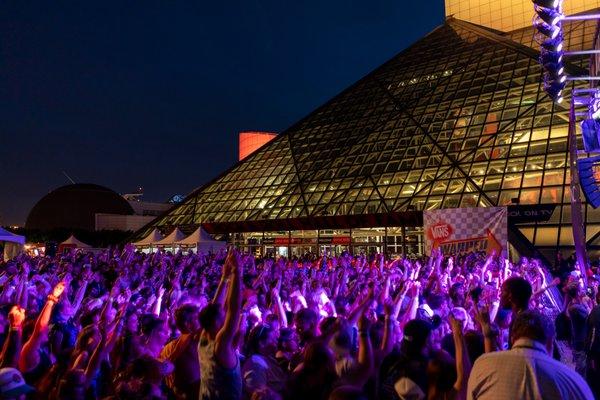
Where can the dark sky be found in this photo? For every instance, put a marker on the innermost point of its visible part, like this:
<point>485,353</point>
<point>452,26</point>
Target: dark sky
<point>153,93</point>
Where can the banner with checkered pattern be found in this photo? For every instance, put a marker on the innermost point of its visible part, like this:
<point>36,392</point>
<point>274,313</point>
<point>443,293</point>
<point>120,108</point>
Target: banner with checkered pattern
<point>462,230</point>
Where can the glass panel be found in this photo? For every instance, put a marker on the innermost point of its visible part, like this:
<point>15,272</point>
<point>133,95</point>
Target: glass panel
<point>546,236</point>
<point>529,196</point>
<point>551,194</point>
<point>507,196</point>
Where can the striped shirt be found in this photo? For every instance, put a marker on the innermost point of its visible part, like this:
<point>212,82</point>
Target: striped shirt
<point>525,372</point>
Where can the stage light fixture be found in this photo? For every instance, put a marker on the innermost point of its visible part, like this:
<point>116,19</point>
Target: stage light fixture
<point>548,15</point>
<point>555,69</point>
<point>551,31</point>
<point>587,178</point>
<point>554,88</point>
<point>553,45</point>
<point>590,129</point>
<point>557,78</point>
<point>550,57</point>
<point>594,107</point>
<point>547,3</point>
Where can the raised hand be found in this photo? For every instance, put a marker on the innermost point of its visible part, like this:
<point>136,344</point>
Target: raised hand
<point>389,307</point>
<point>415,289</point>
<point>228,265</point>
<point>275,293</point>
<point>483,318</point>
<point>455,324</point>
<point>16,316</point>
<point>58,289</point>
<point>364,323</point>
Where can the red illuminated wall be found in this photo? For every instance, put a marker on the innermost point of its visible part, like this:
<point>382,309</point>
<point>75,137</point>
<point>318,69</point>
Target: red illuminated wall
<point>251,141</point>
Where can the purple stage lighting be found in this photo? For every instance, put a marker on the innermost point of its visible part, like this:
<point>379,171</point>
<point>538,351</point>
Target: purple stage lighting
<point>553,76</point>
<point>550,57</point>
<point>551,31</point>
<point>554,89</point>
<point>555,44</point>
<point>549,16</point>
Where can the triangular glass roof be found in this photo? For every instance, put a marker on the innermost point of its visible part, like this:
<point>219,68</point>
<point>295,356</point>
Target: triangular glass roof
<point>458,119</point>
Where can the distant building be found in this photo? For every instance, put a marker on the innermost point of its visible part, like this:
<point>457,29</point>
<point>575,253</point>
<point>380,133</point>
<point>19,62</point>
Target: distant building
<point>75,207</point>
<point>89,207</point>
<point>249,142</point>
<point>144,212</point>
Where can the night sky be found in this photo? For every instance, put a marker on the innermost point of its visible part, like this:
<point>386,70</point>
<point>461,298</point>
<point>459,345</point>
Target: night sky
<point>153,93</point>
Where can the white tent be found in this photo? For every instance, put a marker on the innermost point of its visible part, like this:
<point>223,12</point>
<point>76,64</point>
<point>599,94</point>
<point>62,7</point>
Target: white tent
<point>153,237</point>
<point>13,244</point>
<point>202,241</point>
<point>73,243</point>
<point>171,239</point>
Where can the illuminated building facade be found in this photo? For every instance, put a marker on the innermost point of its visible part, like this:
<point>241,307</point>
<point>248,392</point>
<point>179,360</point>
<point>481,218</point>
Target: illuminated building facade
<point>458,119</point>
<point>507,15</point>
<point>249,142</point>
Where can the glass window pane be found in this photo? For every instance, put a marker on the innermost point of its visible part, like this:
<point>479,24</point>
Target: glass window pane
<point>546,236</point>
<point>506,197</point>
<point>551,194</point>
<point>529,196</point>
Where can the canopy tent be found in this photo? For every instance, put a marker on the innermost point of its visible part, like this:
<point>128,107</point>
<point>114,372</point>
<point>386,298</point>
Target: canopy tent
<point>202,241</point>
<point>12,244</point>
<point>72,243</point>
<point>153,237</point>
<point>171,239</point>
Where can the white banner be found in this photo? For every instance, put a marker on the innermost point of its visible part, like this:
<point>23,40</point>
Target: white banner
<point>462,230</point>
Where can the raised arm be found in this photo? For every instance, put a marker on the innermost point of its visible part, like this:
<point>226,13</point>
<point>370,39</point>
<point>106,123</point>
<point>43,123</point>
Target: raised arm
<point>279,308</point>
<point>79,295</point>
<point>224,350</point>
<point>463,363</point>
<point>219,297</point>
<point>30,354</point>
<point>387,344</point>
<point>364,366</point>
<point>12,344</point>
<point>159,300</point>
<point>23,299</point>
<point>411,313</point>
<point>355,314</point>
<point>105,346</point>
<point>490,332</point>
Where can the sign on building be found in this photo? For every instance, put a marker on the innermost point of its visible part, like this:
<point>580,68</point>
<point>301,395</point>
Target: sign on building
<point>463,230</point>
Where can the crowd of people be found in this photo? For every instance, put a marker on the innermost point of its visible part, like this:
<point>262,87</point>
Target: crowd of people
<point>130,325</point>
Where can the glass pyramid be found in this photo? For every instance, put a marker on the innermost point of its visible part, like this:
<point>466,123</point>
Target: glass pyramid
<point>458,119</point>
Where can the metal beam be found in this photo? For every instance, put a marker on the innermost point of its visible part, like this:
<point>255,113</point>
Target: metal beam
<point>576,213</point>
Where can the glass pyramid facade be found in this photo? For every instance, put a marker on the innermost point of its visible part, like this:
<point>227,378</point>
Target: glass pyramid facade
<point>458,119</point>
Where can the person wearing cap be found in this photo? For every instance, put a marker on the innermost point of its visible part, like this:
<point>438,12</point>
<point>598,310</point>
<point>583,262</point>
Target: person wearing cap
<point>527,371</point>
<point>403,373</point>
<point>12,385</point>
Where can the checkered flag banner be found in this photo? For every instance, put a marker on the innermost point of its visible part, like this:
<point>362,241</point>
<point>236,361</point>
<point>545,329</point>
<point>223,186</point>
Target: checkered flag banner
<point>462,230</point>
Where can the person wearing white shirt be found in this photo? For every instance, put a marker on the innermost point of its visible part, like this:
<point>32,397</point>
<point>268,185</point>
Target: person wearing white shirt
<point>526,371</point>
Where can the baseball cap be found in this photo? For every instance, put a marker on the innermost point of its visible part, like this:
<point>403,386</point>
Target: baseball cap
<point>407,389</point>
<point>12,383</point>
<point>417,331</point>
